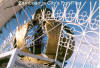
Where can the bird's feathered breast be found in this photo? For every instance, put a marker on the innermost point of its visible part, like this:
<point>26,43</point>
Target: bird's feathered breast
<point>53,36</point>
<point>20,35</point>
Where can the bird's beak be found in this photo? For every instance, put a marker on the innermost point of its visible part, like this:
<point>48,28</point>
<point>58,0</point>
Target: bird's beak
<point>32,23</point>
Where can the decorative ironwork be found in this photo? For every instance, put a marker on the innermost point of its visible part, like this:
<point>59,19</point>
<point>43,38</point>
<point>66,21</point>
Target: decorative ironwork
<point>83,20</point>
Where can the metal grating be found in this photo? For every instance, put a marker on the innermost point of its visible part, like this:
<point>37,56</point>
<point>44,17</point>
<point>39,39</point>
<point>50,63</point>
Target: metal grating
<point>83,21</point>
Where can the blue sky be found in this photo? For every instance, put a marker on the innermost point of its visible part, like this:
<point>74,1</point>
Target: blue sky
<point>91,36</point>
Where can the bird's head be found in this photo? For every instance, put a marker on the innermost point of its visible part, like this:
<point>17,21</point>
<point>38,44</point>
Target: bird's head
<point>42,14</point>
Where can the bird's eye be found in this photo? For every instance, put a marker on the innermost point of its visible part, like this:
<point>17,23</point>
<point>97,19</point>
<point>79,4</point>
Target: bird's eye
<point>44,22</point>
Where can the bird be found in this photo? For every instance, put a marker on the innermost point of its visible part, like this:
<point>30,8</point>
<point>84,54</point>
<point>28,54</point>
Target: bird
<point>53,39</point>
<point>53,36</point>
<point>20,42</point>
<point>52,42</point>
